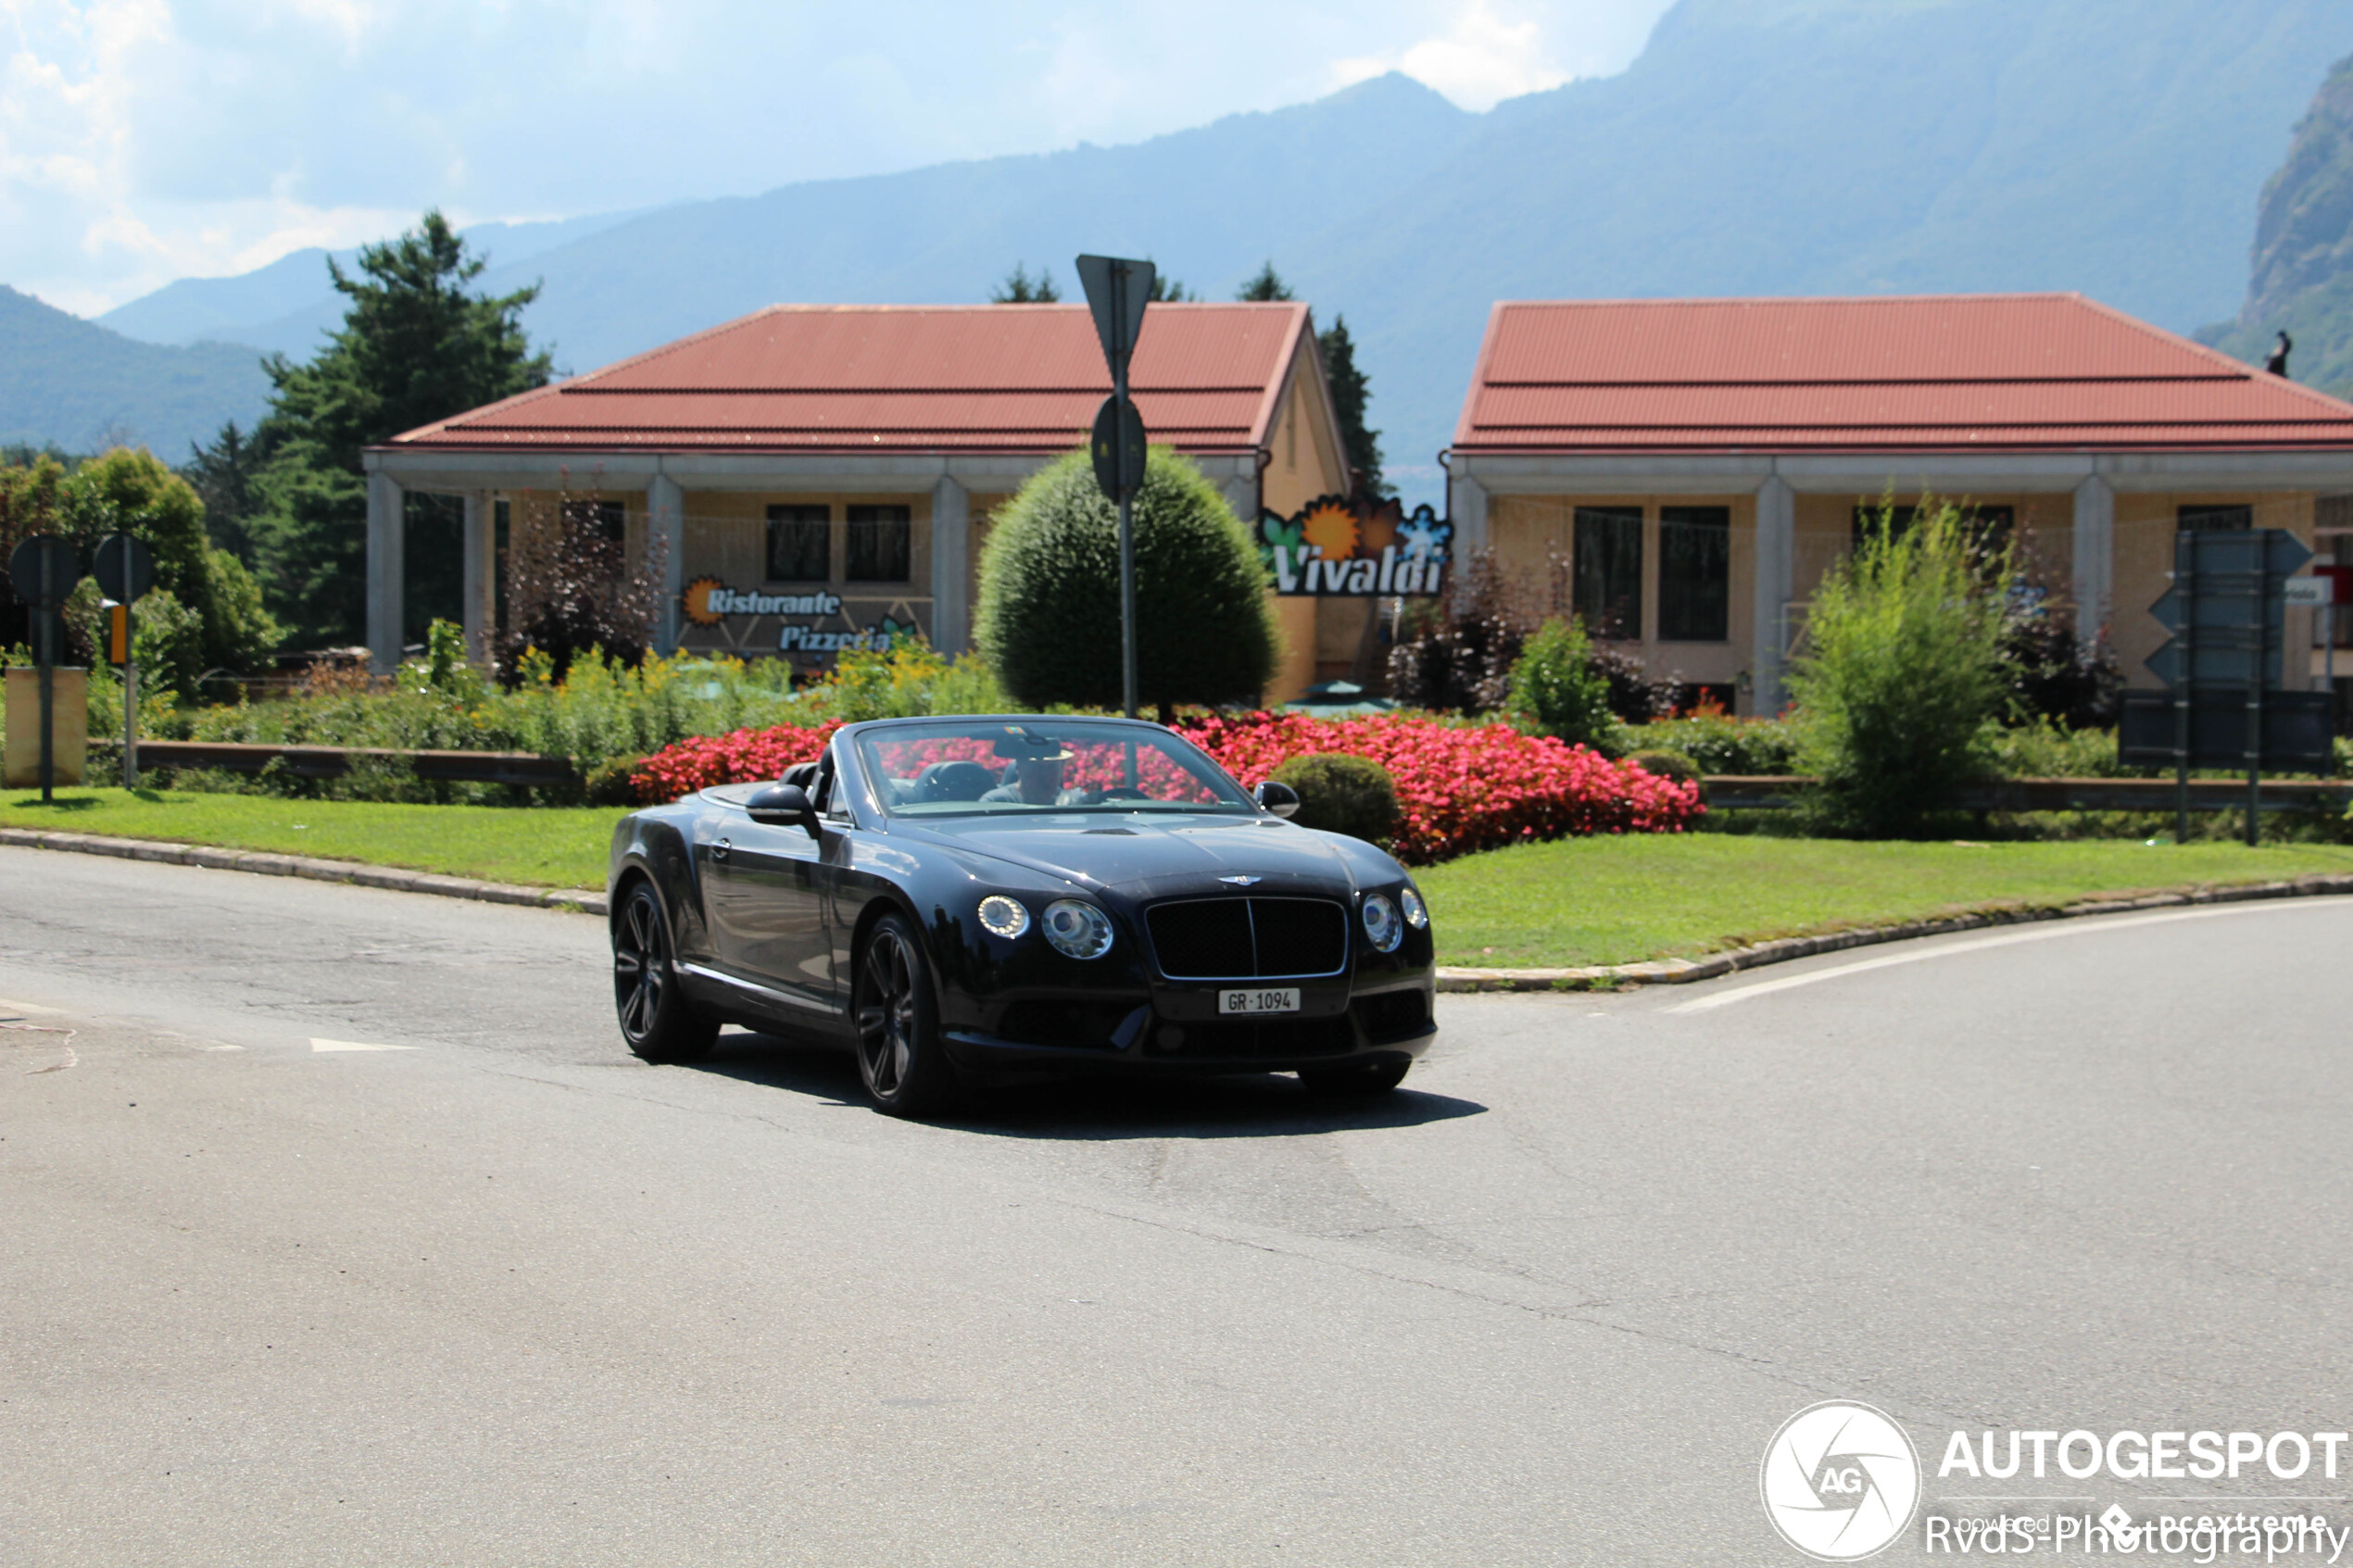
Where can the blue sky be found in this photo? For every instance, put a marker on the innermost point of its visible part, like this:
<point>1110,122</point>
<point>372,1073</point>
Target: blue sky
<point>147,140</point>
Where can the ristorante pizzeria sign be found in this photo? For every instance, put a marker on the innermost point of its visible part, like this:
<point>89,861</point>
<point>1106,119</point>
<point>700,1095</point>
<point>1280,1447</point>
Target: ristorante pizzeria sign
<point>709,602</point>
<point>1334,548</point>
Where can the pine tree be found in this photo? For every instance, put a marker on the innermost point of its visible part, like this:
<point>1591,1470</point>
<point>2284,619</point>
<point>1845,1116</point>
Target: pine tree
<point>1264,285</point>
<point>1350,393</point>
<point>1020,288</point>
<point>417,344</point>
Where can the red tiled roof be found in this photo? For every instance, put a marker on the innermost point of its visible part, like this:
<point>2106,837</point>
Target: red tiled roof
<point>872,377</point>
<point>1973,372</point>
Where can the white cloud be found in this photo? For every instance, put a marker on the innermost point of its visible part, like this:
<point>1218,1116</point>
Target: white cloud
<point>1479,61</point>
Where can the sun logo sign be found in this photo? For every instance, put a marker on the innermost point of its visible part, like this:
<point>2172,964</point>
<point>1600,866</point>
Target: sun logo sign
<point>1840,1481</point>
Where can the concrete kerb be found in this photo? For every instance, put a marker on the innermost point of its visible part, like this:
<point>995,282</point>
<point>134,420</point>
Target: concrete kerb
<point>359,873</point>
<point>1681,972</point>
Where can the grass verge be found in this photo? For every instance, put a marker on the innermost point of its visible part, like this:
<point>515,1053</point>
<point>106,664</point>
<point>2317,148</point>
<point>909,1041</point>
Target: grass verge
<point>1620,900</point>
<point>1572,902</point>
<point>535,846</point>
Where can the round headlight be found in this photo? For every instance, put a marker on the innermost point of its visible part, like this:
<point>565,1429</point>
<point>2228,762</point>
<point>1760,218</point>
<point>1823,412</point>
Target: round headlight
<point>1381,922</point>
<point>1003,916</point>
<point>1080,931</point>
<point>1415,915</point>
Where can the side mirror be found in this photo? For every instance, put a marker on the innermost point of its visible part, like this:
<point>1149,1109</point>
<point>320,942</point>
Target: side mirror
<point>782,806</point>
<point>1279,798</point>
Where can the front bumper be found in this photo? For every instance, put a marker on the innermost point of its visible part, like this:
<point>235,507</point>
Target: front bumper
<point>1177,1032</point>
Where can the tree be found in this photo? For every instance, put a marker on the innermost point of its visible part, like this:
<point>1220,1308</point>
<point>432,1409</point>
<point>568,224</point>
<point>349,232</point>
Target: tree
<point>1168,291</point>
<point>1263,285</point>
<point>1352,391</point>
<point>1020,288</point>
<point>224,476</point>
<point>1049,615</point>
<point>416,345</point>
<point>130,491</point>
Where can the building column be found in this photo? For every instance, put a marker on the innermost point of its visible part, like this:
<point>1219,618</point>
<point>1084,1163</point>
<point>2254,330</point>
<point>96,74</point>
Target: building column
<point>1776,567</point>
<point>2093,569</point>
<point>478,609</point>
<point>666,521</point>
<point>952,543</point>
<point>386,571</point>
<point>1466,504</point>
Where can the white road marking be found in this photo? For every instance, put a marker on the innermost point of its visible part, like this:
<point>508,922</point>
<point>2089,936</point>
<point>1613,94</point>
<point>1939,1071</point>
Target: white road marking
<point>317,1044</point>
<point>2043,932</point>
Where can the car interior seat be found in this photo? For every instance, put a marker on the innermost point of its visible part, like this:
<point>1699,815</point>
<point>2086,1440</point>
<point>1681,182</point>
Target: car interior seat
<point>954,780</point>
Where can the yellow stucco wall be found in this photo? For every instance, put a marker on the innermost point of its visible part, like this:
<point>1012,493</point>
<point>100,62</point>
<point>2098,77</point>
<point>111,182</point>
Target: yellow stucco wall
<point>1305,462</point>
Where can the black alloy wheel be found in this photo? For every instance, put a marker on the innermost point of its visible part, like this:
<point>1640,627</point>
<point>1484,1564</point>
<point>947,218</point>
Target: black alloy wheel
<point>1358,1079</point>
<point>656,1018</point>
<point>901,1060</point>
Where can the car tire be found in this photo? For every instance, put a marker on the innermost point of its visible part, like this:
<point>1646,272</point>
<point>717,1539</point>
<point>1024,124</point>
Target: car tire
<point>901,1058</point>
<point>1357,1080</point>
<point>656,1019</point>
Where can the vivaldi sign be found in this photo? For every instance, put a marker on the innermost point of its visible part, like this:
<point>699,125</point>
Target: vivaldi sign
<point>1339,549</point>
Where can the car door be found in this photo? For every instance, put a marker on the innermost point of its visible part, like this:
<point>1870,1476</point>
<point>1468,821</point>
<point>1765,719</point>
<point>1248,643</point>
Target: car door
<point>767,897</point>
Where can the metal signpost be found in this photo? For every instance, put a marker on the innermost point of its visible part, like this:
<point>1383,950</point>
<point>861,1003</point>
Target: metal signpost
<point>2226,708</point>
<point>125,569</point>
<point>42,570</point>
<point>1117,290</point>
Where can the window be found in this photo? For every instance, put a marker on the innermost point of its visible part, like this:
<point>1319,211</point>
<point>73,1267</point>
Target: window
<point>879,549</point>
<point>1606,570</point>
<point>1694,573</point>
<point>800,543</point>
<point>2215,520</point>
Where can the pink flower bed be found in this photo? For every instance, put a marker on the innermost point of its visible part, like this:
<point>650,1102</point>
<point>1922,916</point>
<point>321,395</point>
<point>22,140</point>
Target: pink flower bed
<point>1459,790</point>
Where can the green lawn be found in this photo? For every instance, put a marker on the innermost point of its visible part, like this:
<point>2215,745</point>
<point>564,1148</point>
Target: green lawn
<point>1578,901</point>
<point>535,846</point>
<point>1620,900</point>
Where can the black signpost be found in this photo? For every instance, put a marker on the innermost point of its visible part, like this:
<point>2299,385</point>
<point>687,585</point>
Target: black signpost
<point>42,570</point>
<point>125,569</point>
<point>1117,290</point>
<point>2226,708</point>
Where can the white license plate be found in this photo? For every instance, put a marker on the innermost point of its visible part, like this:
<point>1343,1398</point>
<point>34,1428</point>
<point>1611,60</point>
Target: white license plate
<point>1285,1000</point>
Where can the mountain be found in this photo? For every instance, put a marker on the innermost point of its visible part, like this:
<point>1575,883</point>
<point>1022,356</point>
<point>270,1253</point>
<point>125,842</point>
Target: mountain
<point>66,380</point>
<point>1764,147</point>
<point>288,305</point>
<point>2303,272</point>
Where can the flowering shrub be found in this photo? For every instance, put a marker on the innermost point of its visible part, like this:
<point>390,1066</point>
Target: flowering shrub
<point>741,757</point>
<point>1459,789</point>
<point>1464,789</point>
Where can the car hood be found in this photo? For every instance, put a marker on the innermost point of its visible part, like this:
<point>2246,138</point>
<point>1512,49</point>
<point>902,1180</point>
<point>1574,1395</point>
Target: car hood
<point>1146,854</point>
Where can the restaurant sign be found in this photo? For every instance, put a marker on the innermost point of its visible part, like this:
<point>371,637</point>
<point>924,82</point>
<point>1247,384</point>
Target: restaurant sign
<point>1335,547</point>
<point>709,602</point>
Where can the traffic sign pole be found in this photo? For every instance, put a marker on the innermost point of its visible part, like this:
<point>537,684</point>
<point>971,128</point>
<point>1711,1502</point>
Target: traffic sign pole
<point>1127,513</point>
<point>125,569</point>
<point>1117,290</point>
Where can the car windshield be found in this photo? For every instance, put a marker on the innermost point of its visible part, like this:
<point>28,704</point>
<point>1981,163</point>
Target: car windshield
<point>974,766</point>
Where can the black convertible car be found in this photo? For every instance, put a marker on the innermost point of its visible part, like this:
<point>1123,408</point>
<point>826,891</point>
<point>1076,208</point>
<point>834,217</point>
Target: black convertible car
<point>970,899</point>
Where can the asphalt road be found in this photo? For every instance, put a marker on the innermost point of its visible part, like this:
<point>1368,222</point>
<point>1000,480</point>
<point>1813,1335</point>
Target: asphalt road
<point>508,1296</point>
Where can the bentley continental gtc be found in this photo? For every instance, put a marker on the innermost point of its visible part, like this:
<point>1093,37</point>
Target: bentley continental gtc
<point>972,900</point>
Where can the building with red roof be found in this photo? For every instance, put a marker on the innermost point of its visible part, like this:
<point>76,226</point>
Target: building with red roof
<point>851,457</point>
<point>1682,472</point>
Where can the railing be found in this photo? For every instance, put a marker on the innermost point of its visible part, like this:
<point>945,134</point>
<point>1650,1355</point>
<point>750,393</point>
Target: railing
<point>334,761</point>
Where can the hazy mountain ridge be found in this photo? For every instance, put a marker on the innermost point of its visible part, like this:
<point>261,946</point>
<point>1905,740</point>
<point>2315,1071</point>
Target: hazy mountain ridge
<point>2302,276</point>
<point>65,380</point>
<point>1758,146</point>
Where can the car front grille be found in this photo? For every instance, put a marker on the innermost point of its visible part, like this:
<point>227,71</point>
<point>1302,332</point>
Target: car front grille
<point>1248,938</point>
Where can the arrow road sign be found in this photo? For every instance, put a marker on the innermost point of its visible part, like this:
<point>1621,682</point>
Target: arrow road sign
<point>2223,608</point>
<point>124,567</point>
<point>1118,447</point>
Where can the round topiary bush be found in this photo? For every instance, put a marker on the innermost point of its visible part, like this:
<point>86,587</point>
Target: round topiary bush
<point>1049,616</point>
<point>1342,793</point>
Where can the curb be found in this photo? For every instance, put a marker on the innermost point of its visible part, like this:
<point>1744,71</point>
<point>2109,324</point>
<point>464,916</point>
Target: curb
<point>359,873</point>
<point>1682,972</point>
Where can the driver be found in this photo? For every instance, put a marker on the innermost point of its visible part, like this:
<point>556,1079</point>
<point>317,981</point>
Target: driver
<point>1036,778</point>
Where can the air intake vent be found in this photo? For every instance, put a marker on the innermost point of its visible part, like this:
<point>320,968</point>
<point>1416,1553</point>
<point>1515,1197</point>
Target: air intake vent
<point>1248,938</point>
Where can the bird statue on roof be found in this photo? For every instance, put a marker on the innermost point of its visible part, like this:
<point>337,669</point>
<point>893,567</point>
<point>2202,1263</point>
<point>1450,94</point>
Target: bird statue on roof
<point>2277,363</point>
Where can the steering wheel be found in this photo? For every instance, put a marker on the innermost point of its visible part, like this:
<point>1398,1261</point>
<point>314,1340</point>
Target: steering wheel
<point>1122,792</point>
